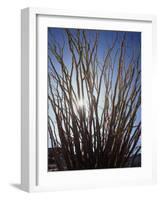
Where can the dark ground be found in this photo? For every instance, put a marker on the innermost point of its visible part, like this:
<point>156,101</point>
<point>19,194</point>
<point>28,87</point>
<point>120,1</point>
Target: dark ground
<point>53,167</point>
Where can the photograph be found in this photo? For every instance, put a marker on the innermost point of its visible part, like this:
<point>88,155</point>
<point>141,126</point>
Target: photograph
<point>94,99</point>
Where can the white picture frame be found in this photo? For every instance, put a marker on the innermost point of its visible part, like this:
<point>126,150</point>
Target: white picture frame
<point>34,176</point>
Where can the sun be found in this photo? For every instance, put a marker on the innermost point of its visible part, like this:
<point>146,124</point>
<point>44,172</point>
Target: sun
<point>81,103</point>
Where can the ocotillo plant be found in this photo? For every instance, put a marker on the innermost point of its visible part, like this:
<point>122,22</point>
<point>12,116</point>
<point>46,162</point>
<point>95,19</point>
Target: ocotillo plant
<point>94,99</point>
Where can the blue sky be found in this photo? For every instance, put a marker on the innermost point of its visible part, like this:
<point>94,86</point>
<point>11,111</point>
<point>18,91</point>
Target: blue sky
<point>133,40</point>
<point>105,40</point>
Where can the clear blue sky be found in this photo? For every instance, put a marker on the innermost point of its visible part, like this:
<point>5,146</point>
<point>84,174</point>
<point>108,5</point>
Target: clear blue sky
<point>106,38</point>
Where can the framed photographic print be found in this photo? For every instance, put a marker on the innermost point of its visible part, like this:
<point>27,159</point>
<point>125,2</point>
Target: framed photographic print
<point>86,99</point>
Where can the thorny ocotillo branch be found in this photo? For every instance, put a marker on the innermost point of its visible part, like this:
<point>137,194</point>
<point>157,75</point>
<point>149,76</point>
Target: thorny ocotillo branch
<point>103,132</point>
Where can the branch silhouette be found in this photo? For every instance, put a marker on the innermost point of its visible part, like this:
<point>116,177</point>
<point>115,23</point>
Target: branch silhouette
<point>94,103</point>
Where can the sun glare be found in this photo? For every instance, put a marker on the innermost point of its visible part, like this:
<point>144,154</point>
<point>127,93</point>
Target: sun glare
<point>81,103</point>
